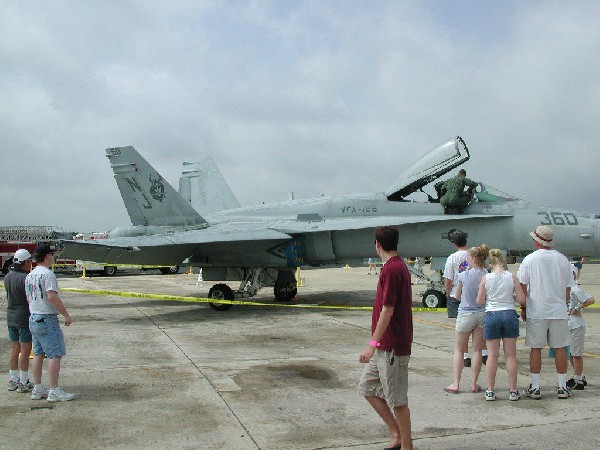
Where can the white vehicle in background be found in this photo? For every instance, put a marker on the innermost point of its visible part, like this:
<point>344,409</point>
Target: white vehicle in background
<point>111,269</point>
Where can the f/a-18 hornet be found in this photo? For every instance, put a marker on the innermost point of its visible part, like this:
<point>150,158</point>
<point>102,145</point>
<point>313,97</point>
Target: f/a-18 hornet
<point>263,245</point>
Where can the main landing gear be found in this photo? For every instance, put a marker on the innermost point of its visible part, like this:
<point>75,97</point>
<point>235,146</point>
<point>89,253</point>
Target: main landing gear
<point>284,287</point>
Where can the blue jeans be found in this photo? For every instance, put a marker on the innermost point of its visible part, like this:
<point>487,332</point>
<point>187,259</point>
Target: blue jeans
<point>501,324</point>
<point>47,336</point>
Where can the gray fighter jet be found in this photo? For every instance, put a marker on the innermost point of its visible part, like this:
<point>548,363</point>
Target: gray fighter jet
<point>263,245</point>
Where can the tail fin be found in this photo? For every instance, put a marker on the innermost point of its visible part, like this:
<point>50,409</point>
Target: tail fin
<point>149,199</point>
<point>203,185</point>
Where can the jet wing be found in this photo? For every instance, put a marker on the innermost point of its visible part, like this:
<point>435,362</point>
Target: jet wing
<point>167,249</point>
<point>355,223</point>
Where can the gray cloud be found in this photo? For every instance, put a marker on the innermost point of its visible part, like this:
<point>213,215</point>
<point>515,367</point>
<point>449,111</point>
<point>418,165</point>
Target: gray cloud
<point>310,97</point>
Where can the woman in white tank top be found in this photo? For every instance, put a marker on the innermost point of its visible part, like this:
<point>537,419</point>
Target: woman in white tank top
<point>498,291</point>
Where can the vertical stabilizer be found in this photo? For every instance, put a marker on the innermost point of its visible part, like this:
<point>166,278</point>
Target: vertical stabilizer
<point>203,185</point>
<point>149,199</point>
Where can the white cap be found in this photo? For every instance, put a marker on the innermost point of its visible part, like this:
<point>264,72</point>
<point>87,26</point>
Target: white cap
<point>21,256</point>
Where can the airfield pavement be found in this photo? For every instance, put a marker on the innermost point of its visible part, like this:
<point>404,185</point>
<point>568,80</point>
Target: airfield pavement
<point>153,373</point>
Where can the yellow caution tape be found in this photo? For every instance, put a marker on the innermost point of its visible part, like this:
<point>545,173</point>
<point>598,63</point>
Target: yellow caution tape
<point>179,298</point>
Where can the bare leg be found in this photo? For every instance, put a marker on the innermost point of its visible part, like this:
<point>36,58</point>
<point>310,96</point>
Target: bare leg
<point>491,367</point>
<point>510,354</point>
<point>577,362</point>
<point>560,360</point>
<point>24,357</point>
<point>54,371</point>
<point>384,411</point>
<point>36,368</point>
<point>477,343</point>
<point>460,346</point>
<point>535,360</point>
<point>403,420</point>
<point>13,359</point>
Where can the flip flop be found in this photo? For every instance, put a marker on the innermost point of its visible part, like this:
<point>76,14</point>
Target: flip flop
<point>477,390</point>
<point>450,390</point>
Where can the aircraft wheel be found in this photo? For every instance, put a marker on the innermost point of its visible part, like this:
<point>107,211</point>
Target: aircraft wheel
<point>172,270</point>
<point>286,292</point>
<point>6,266</point>
<point>109,271</point>
<point>222,292</point>
<point>434,299</point>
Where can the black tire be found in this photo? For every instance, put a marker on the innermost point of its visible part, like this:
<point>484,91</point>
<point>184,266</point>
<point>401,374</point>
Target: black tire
<point>109,271</point>
<point>171,270</point>
<point>6,266</point>
<point>222,292</point>
<point>285,292</point>
<point>434,299</point>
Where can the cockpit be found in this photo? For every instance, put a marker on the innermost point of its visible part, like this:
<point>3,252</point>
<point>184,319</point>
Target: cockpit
<point>432,166</point>
<point>487,194</point>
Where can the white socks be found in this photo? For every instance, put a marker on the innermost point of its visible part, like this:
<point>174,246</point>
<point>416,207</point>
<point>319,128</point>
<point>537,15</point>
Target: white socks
<point>535,380</point>
<point>24,377</point>
<point>14,376</point>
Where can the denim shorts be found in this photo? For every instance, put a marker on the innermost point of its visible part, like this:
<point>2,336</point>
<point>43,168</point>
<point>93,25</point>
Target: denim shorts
<point>501,324</point>
<point>48,338</point>
<point>19,334</point>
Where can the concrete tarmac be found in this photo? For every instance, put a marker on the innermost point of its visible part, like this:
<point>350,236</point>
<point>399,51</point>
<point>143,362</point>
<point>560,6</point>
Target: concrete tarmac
<point>165,374</point>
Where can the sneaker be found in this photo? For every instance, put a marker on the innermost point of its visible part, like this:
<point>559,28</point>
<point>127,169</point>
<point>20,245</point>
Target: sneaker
<point>571,383</point>
<point>38,394</point>
<point>530,392</point>
<point>563,392</point>
<point>490,396</point>
<point>27,387</point>
<point>484,359</point>
<point>583,381</point>
<point>514,396</point>
<point>59,395</point>
<point>579,386</point>
<point>467,362</point>
<point>12,385</point>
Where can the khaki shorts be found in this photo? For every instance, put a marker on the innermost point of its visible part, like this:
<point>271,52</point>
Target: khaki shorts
<point>577,339</point>
<point>468,321</point>
<point>553,332</point>
<point>386,376</point>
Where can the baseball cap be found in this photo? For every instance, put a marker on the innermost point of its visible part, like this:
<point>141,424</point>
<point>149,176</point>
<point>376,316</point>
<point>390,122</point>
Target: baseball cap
<point>21,256</point>
<point>41,250</point>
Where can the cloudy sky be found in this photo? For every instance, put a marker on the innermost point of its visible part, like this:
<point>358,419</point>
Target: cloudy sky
<point>313,97</point>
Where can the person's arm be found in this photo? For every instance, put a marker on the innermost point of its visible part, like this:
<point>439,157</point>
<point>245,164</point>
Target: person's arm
<point>577,310</point>
<point>523,310</point>
<point>382,324</point>
<point>459,291</point>
<point>448,286</point>
<point>55,301</point>
<point>481,292</point>
<point>519,294</point>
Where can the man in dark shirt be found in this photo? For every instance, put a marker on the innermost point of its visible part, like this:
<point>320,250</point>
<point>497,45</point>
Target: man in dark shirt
<point>17,319</point>
<point>384,382</point>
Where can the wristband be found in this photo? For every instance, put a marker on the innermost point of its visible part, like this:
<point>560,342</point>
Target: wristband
<point>374,343</point>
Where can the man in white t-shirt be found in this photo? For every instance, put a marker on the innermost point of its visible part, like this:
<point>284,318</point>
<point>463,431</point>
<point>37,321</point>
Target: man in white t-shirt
<point>545,276</point>
<point>455,264</point>
<point>45,304</point>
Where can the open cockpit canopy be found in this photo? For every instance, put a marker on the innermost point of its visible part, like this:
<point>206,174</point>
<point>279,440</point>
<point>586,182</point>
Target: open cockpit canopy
<point>437,162</point>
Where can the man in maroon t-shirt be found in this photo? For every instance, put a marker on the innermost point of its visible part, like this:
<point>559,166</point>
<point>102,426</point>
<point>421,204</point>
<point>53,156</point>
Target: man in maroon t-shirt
<point>384,381</point>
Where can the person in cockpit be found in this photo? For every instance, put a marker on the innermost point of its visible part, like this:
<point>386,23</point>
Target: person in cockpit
<point>454,194</point>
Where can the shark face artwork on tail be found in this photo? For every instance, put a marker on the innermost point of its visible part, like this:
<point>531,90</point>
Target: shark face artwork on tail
<point>262,245</point>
